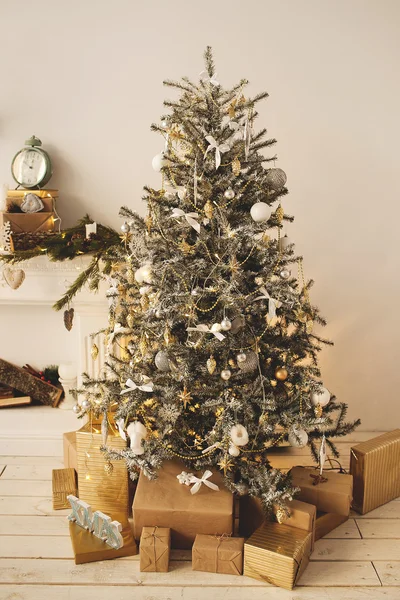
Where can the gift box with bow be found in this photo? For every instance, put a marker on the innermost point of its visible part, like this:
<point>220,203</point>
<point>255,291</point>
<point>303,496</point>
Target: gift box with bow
<point>155,545</point>
<point>218,554</point>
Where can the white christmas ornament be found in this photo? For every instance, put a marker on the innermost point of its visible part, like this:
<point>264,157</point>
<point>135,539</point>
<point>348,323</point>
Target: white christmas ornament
<point>158,162</point>
<point>137,432</point>
<point>216,327</point>
<point>233,450</point>
<point>226,325</point>
<point>226,374</point>
<point>322,398</point>
<point>298,438</point>
<point>260,211</point>
<point>144,274</point>
<point>121,424</point>
<point>239,435</point>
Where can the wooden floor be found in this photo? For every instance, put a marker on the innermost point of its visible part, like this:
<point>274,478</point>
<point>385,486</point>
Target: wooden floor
<point>358,561</point>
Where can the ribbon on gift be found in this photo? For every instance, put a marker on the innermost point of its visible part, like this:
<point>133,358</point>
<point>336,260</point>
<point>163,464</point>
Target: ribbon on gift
<point>155,537</point>
<point>198,481</point>
<point>204,76</point>
<point>220,539</point>
<point>206,329</point>
<point>219,149</point>
<point>190,217</point>
<point>273,304</point>
<point>131,385</point>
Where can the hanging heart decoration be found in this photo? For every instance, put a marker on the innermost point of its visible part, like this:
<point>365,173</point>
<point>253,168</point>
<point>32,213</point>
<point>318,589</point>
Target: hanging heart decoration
<point>13,277</point>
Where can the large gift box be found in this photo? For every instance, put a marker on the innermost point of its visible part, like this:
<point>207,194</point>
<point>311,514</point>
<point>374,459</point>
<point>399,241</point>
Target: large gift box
<point>327,522</point>
<point>103,485</point>
<point>69,448</point>
<point>167,503</point>
<point>28,222</point>
<point>375,466</point>
<point>334,495</point>
<point>218,554</point>
<point>155,545</point>
<point>277,554</point>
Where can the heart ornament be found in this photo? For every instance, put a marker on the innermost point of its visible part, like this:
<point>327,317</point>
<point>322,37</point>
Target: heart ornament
<point>13,277</point>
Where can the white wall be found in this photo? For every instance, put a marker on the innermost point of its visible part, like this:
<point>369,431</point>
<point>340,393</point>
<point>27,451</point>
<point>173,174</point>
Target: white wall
<point>86,77</point>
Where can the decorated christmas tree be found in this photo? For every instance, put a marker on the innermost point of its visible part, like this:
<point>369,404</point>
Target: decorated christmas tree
<point>212,341</point>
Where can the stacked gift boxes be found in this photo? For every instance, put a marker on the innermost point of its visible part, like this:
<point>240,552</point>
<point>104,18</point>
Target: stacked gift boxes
<point>29,222</point>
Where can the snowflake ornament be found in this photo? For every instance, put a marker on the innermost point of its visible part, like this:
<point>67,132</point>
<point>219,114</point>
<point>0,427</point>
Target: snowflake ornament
<point>5,239</point>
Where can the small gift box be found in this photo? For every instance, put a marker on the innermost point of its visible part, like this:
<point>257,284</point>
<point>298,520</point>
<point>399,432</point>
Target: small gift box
<point>375,466</point>
<point>69,447</point>
<point>327,522</point>
<point>332,493</point>
<point>155,545</point>
<point>303,516</point>
<point>277,554</point>
<point>218,554</point>
<point>64,484</point>
<point>167,503</point>
<point>28,222</point>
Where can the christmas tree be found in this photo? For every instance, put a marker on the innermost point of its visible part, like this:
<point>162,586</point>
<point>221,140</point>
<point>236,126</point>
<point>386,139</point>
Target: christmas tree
<point>212,352</point>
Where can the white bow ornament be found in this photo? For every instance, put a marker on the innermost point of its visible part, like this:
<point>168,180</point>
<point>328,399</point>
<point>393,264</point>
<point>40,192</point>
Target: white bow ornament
<point>131,385</point>
<point>206,329</point>
<point>219,149</point>
<point>204,76</point>
<point>273,304</point>
<point>189,479</point>
<point>190,217</point>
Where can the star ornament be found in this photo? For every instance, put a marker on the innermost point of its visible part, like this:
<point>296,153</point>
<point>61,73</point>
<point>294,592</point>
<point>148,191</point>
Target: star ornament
<point>225,464</point>
<point>185,396</point>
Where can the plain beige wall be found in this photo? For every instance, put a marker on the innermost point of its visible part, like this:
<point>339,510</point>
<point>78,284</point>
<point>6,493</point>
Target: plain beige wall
<point>86,77</point>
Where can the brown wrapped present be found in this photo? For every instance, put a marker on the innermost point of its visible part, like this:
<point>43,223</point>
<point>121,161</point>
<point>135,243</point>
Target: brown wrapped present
<point>166,503</point>
<point>375,466</point>
<point>277,554</point>
<point>64,484</point>
<point>48,201</point>
<point>332,496</point>
<point>69,447</point>
<point>28,222</point>
<point>89,548</point>
<point>327,522</point>
<point>102,485</point>
<point>218,554</point>
<point>155,545</point>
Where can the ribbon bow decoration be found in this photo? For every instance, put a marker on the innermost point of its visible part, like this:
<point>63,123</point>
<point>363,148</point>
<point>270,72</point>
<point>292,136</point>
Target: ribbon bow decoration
<point>131,385</point>
<point>204,76</point>
<point>219,149</point>
<point>206,329</point>
<point>190,217</point>
<point>197,481</point>
<point>273,304</point>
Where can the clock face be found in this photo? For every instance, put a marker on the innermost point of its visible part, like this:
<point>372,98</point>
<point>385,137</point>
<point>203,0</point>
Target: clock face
<point>30,167</point>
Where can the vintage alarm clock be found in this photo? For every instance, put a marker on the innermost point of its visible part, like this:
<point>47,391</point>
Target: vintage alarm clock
<point>31,166</point>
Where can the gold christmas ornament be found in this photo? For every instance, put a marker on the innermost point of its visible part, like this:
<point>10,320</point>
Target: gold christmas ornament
<point>280,213</point>
<point>273,382</point>
<point>208,209</point>
<point>281,373</point>
<point>130,276</point>
<point>309,326</point>
<point>211,364</point>
<point>185,396</point>
<point>94,352</point>
<point>185,247</point>
<point>168,337</point>
<point>236,166</point>
<point>149,222</point>
<point>280,515</point>
<point>108,468</point>
<point>263,418</point>
<point>144,302</point>
<point>143,345</point>
<point>318,411</point>
<point>129,320</point>
<point>225,464</point>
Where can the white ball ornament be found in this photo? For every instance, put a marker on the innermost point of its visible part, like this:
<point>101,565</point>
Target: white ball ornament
<point>216,327</point>
<point>226,325</point>
<point>125,227</point>
<point>241,357</point>
<point>233,450</point>
<point>260,211</point>
<point>239,435</point>
<point>158,162</point>
<point>144,274</point>
<point>85,404</point>
<point>298,438</point>
<point>226,374</point>
<point>285,273</point>
<point>76,409</point>
<point>229,194</point>
<point>322,398</point>
<point>161,361</point>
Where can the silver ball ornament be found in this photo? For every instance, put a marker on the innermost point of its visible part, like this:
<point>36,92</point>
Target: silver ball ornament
<point>250,363</point>
<point>226,374</point>
<point>229,194</point>
<point>125,227</point>
<point>298,438</point>
<point>276,179</point>
<point>161,361</point>
<point>85,404</point>
<point>234,450</point>
<point>76,409</point>
<point>260,211</point>
<point>241,357</point>
<point>216,327</point>
<point>285,273</point>
<point>226,325</point>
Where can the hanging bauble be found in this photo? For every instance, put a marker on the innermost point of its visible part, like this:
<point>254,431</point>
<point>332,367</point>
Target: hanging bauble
<point>285,273</point>
<point>94,352</point>
<point>76,409</point>
<point>280,515</point>
<point>158,314</point>
<point>241,357</point>
<point>226,374</point>
<point>260,211</point>
<point>318,411</point>
<point>85,404</point>
<point>130,320</point>
<point>144,274</point>
<point>226,324</point>
<point>216,327</point>
<point>125,227</point>
<point>298,438</point>
<point>281,373</point>
<point>276,179</point>
<point>239,435</point>
<point>161,361</point>
<point>237,324</point>
<point>322,398</point>
<point>284,243</point>
<point>144,289</point>
<point>208,209</point>
<point>211,364</point>
<point>229,194</point>
<point>250,363</point>
<point>158,162</point>
<point>233,450</point>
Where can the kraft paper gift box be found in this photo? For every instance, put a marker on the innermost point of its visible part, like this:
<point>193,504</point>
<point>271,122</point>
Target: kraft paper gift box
<point>28,223</point>
<point>333,496</point>
<point>218,554</point>
<point>327,522</point>
<point>63,484</point>
<point>167,503</point>
<point>277,554</point>
<point>21,193</point>
<point>155,545</point>
<point>48,202</point>
<point>69,447</point>
<point>375,466</point>
<point>104,490</point>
